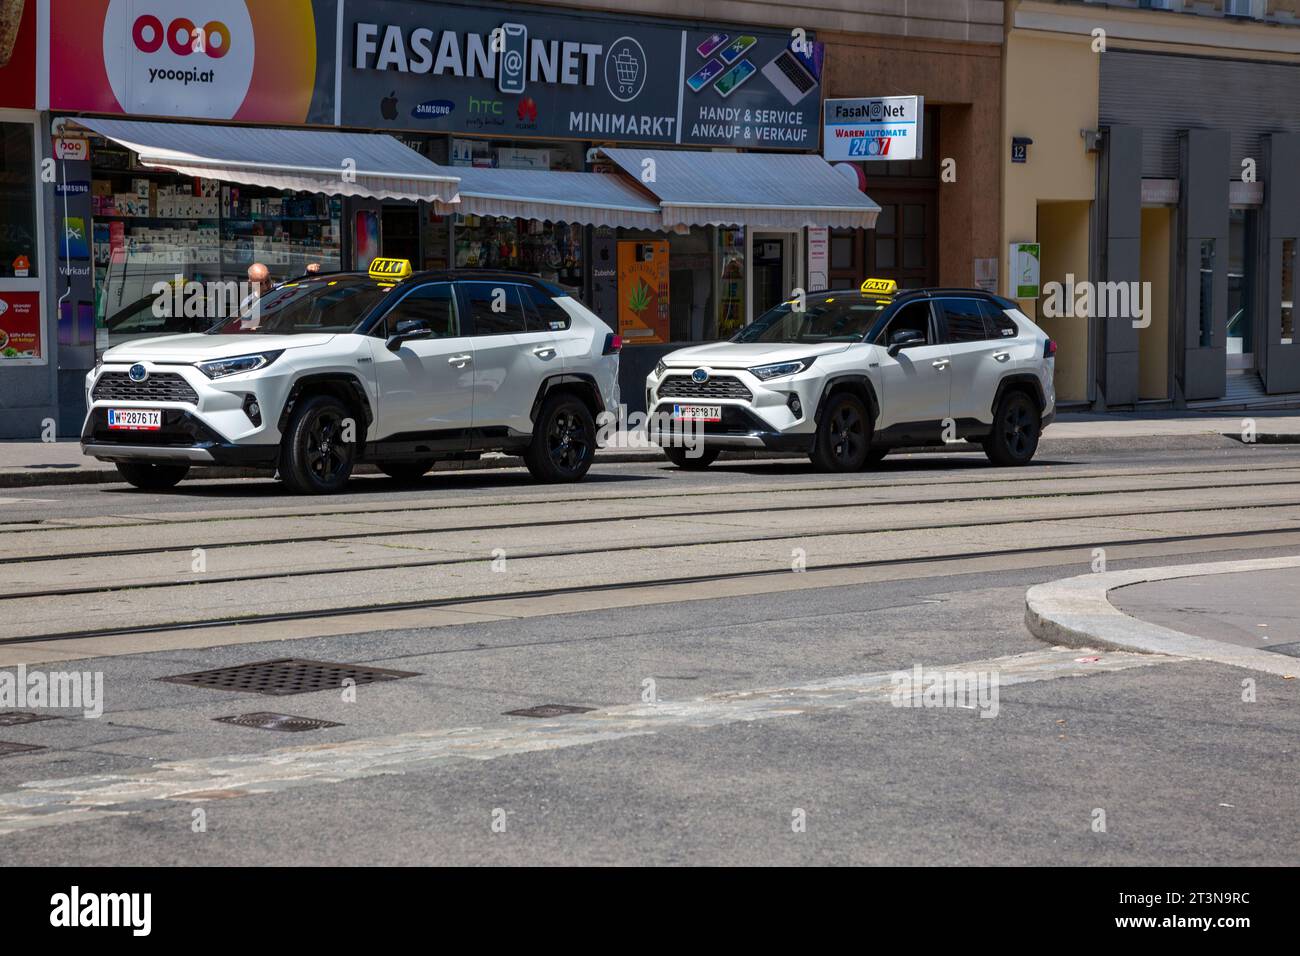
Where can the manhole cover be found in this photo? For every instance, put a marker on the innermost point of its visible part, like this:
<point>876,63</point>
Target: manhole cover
<point>13,718</point>
<point>549,710</point>
<point>268,721</point>
<point>286,676</point>
<point>9,750</point>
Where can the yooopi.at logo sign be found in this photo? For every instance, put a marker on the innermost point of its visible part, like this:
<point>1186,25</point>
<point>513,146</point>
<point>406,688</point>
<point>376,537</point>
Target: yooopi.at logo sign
<point>179,58</point>
<point>182,35</point>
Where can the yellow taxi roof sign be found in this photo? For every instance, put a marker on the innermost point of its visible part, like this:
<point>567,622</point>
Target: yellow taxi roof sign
<point>391,269</point>
<point>879,287</point>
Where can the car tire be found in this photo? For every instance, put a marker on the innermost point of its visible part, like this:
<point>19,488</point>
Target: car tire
<point>313,458</point>
<point>843,438</point>
<point>406,472</point>
<point>564,440</point>
<point>680,458</point>
<point>1017,424</point>
<point>148,476</point>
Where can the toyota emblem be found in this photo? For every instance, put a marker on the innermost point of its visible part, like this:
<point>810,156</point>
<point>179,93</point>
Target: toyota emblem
<point>138,373</point>
<point>700,376</point>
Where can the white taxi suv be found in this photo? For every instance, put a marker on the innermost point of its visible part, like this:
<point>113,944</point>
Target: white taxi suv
<point>845,376</point>
<point>392,367</point>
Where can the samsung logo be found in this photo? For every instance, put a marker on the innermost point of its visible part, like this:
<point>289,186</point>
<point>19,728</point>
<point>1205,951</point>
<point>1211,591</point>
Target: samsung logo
<point>433,109</point>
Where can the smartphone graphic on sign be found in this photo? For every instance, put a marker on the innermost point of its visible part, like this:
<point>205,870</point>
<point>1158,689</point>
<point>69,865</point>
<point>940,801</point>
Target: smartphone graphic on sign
<point>705,75</point>
<point>734,77</point>
<point>710,46</point>
<point>737,49</point>
<point>514,53</point>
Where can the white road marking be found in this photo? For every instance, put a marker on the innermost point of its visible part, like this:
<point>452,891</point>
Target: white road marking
<point>49,803</point>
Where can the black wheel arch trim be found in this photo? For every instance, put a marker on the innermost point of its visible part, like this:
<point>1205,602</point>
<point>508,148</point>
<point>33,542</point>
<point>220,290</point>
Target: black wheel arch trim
<point>349,382</point>
<point>584,381</point>
<point>873,402</point>
<point>1019,379</point>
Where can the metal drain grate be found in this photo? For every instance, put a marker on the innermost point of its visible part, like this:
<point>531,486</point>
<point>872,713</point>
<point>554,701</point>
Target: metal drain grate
<point>549,710</point>
<point>9,750</point>
<point>15,717</point>
<point>263,720</point>
<point>286,676</point>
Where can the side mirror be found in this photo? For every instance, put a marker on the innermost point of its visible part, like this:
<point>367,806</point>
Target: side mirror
<point>905,339</point>
<point>410,329</point>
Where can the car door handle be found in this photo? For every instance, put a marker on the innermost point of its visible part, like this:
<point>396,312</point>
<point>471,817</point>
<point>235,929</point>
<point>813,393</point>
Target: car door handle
<point>460,361</point>
<point>1002,356</point>
<point>544,351</point>
<point>940,364</point>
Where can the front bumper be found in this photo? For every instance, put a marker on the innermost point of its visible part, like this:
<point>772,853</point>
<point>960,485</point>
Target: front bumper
<point>184,437</point>
<point>739,428</point>
<point>770,418</point>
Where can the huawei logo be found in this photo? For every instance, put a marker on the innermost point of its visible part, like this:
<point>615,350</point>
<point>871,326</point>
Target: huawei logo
<point>527,110</point>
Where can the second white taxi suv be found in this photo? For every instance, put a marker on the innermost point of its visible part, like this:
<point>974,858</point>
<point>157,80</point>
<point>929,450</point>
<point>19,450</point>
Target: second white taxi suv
<point>855,373</point>
<point>389,367</point>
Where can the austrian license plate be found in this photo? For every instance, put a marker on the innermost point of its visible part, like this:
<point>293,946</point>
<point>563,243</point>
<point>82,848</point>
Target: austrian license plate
<point>135,419</point>
<point>698,413</point>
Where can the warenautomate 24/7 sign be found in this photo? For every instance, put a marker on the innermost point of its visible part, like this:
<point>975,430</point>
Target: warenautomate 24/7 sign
<point>505,72</point>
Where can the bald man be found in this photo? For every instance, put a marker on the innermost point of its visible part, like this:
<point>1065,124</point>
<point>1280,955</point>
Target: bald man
<point>313,268</point>
<point>259,280</point>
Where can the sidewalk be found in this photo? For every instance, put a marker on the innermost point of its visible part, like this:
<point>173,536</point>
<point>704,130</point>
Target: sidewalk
<point>24,464</point>
<point>1243,613</point>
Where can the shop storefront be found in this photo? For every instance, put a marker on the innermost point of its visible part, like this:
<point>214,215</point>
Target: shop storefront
<point>480,91</point>
<point>25,378</point>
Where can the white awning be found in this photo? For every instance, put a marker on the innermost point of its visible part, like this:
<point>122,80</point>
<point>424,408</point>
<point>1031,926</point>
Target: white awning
<point>595,199</point>
<point>371,165</point>
<point>762,190</point>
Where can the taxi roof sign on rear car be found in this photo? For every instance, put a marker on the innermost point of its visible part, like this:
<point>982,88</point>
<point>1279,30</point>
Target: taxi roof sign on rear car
<point>392,270</point>
<point>879,287</point>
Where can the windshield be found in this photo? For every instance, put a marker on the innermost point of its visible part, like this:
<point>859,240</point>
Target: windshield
<point>828,317</point>
<point>326,304</point>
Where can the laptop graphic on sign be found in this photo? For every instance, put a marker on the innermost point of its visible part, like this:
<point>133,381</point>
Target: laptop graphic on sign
<point>790,77</point>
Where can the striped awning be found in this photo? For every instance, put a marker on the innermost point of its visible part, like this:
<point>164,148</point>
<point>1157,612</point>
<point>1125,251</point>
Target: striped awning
<point>371,165</point>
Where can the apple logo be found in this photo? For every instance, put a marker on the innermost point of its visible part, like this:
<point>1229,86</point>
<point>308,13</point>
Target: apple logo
<point>388,106</point>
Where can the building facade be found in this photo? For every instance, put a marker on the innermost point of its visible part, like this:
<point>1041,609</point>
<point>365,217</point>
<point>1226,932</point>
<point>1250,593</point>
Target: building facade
<point>1148,157</point>
<point>105,227</point>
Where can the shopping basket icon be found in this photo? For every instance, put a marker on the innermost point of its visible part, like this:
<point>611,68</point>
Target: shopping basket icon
<point>627,67</point>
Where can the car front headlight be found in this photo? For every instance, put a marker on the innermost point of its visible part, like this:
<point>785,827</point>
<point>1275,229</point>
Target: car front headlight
<point>660,369</point>
<point>220,368</point>
<point>778,369</point>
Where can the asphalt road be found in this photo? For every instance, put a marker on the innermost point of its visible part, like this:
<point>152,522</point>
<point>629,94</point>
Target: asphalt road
<point>735,634</point>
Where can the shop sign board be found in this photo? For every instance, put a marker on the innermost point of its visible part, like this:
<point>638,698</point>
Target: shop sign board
<point>20,327</point>
<point>1024,261</point>
<point>255,61</point>
<point>18,54</point>
<point>874,128</point>
<point>502,71</point>
<point>643,317</point>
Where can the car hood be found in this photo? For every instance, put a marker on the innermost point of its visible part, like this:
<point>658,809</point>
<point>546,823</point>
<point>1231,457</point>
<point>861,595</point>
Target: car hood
<point>198,347</point>
<point>747,354</point>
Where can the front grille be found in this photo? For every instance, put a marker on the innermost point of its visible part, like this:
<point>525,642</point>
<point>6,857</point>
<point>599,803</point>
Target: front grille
<point>719,386</point>
<point>158,387</point>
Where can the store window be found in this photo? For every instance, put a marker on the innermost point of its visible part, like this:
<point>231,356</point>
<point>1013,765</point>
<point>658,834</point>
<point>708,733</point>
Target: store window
<point>731,283</point>
<point>18,234</point>
<point>549,250</point>
<point>152,227</point>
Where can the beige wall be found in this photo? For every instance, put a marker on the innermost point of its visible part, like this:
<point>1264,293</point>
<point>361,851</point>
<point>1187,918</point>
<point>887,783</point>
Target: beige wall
<point>1153,341</point>
<point>1062,228</point>
<point>1050,91</point>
